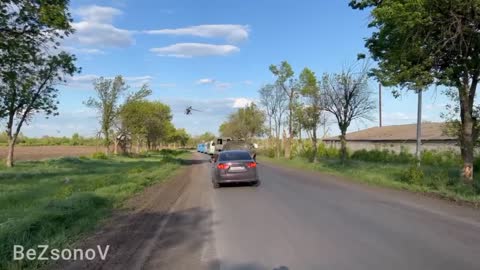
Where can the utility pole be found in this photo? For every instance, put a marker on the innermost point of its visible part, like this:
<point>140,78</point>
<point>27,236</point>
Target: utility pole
<point>419,128</point>
<point>380,102</point>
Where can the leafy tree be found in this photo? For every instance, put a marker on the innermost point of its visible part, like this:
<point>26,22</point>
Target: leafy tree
<point>180,136</point>
<point>31,64</point>
<point>422,42</point>
<point>147,121</point>
<point>274,102</point>
<point>245,123</point>
<point>267,102</point>
<point>107,105</point>
<point>207,136</point>
<point>287,82</point>
<point>347,98</point>
<point>311,115</point>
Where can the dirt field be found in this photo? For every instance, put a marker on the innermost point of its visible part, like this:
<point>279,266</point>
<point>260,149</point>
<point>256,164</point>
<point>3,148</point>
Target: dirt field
<point>42,152</point>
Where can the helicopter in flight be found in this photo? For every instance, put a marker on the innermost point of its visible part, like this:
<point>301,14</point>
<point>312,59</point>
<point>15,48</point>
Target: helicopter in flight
<point>189,109</point>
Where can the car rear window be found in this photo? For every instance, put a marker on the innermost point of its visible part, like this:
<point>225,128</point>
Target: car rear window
<point>229,156</point>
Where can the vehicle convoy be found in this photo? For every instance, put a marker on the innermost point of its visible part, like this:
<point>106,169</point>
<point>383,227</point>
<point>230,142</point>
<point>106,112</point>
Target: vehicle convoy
<point>238,145</point>
<point>234,166</point>
<point>200,147</point>
<point>220,142</point>
<point>210,148</point>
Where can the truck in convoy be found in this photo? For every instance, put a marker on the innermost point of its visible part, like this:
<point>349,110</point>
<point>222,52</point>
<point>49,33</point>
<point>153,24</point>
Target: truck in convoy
<point>238,145</point>
<point>220,142</point>
<point>210,147</point>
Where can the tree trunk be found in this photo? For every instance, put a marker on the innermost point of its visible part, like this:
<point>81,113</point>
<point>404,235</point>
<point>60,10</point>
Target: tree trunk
<point>315,148</point>
<point>115,149</point>
<point>11,147</point>
<point>286,145</point>
<point>106,142</point>
<point>466,140</point>
<point>343,148</point>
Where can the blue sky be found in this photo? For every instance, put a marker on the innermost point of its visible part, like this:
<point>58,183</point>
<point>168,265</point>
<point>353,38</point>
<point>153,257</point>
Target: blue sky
<point>213,55</point>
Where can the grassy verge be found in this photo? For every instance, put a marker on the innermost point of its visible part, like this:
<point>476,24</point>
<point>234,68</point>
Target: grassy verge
<point>442,182</point>
<point>54,202</point>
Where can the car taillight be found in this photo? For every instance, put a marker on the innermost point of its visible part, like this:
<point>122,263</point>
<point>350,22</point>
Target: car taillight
<point>222,166</point>
<point>251,164</point>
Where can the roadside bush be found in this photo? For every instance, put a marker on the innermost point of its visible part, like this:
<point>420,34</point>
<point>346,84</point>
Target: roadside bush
<point>327,152</point>
<point>383,156</point>
<point>99,155</point>
<point>412,175</point>
<point>268,152</point>
<point>444,158</point>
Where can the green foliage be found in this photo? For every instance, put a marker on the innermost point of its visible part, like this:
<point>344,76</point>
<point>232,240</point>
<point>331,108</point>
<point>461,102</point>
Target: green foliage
<point>428,157</point>
<point>268,152</point>
<point>99,155</point>
<point>32,63</point>
<point>148,121</point>
<point>106,103</point>
<point>328,152</point>
<point>383,156</point>
<point>75,140</point>
<point>412,175</point>
<point>55,202</point>
<point>245,123</point>
<point>405,43</point>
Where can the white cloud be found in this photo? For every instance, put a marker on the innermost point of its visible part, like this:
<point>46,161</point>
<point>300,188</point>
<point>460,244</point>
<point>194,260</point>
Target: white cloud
<point>83,50</point>
<point>206,81</point>
<point>101,34</point>
<point>231,32</point>
<point>241,102</point>
<point>187,50</point>
<point>95,28</point>
<point>86,81</point>
<point>96,13</point>
<point>217,84</point>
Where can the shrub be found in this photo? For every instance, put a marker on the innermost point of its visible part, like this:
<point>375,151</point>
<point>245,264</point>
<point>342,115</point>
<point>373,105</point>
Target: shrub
<point>99,155</point>
<point>268,152</point>
<point>412,175</point>
<point>444,158</point>
<point>327,152</point>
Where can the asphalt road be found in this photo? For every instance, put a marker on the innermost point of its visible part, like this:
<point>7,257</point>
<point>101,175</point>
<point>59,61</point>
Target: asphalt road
<point>294,221</point>
<point>297,220</point>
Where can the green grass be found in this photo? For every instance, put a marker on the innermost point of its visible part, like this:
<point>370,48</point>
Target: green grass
<point>55,202</point>
<point>442,182</point>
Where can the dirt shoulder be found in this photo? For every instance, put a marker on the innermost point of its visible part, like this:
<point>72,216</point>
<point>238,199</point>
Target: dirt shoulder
<point>131,232</point>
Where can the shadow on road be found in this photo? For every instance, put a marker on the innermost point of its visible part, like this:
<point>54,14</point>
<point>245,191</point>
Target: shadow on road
<point>137,240</point>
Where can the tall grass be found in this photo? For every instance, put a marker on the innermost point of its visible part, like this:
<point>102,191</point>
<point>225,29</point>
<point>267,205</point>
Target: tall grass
<point>53,202</point>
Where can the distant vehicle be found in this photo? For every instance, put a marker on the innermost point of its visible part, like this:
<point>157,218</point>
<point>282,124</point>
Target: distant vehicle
<point>210,148</point>
<point>238,145</point>
<point>200,147</point>
<point>235,166</point>
<point>220,142</point>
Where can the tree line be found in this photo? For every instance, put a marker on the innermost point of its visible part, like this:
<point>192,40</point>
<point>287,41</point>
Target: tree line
<point>136,123</point>
<point>303,103</point>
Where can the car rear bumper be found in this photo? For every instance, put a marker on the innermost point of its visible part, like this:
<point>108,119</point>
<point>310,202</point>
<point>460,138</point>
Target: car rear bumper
<point>227,179</point>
